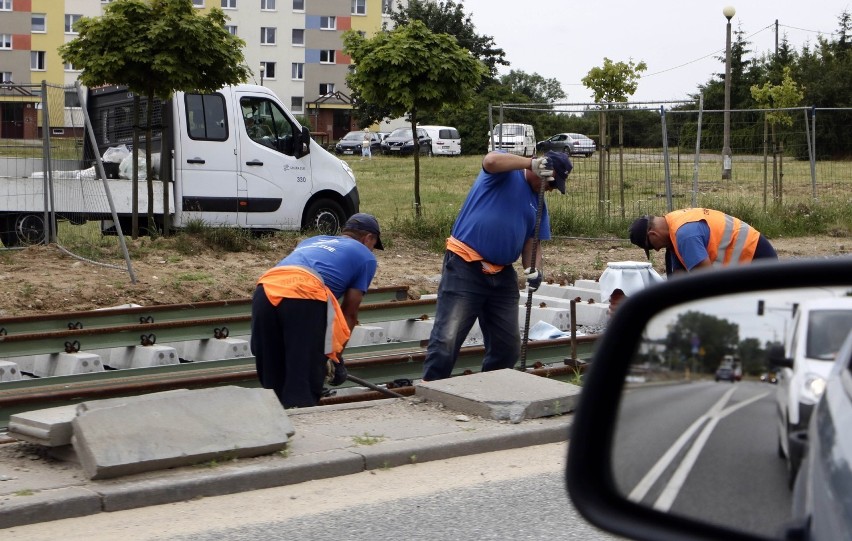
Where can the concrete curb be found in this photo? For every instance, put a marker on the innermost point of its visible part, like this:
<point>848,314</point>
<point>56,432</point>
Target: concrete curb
<point>69,502</point>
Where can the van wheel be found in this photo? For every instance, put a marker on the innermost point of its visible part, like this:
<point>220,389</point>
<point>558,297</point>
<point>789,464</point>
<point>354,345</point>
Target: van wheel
<point>28,229</point>
<point>324,216</point>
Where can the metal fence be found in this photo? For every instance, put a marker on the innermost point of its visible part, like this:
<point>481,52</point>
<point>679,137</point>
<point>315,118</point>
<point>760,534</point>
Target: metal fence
<point>48,189</point>
<point>681,165</point>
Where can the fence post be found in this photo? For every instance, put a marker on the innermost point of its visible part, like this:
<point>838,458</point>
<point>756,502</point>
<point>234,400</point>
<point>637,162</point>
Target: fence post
<point>697,152</point>
<point>49,234</point>
<point>667,168</point>
<point>812,147</point>
<point>621,161</point>
<point>602,162</point>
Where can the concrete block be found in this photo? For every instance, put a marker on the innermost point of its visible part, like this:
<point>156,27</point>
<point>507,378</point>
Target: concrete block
<point>570,292</point>
<point>9,371</point>
<point>365,335</point>
<point>178,429</point>
<point>213,349</point>
<point>558,317</point>
<point>142,356</point>
<point>404,330</point>
<point>588,284</point>
<point>50,427</point>
<point>66,364</point>
<point>592,314</point>
<point>502,395</point>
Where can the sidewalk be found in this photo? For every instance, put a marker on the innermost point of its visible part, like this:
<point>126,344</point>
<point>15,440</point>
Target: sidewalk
<point>445,419</point>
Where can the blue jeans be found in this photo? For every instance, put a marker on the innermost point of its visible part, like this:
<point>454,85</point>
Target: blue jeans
<point>465,294</point>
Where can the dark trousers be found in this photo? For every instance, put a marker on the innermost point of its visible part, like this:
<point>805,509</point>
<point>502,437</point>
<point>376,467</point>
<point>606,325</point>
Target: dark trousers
<point>764,249</point>
<point>287,342</point>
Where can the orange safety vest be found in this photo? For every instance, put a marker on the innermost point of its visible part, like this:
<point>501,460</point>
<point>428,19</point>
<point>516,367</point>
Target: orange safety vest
<point>295,282</point>
<point>732,241</point>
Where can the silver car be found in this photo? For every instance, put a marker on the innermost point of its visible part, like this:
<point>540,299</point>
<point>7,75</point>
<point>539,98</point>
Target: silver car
<point>574,144</point>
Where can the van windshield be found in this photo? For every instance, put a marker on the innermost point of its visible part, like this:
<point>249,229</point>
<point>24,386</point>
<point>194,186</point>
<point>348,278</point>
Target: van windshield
<point>512,129</point>
<point>826,331</point>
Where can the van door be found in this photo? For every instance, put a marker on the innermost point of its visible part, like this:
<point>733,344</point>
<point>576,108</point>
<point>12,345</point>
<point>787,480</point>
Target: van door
<point>205,160</point>
<point>274,184</point>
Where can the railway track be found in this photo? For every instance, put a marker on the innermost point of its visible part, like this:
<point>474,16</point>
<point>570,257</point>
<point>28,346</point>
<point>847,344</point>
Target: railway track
<point>393,364</point>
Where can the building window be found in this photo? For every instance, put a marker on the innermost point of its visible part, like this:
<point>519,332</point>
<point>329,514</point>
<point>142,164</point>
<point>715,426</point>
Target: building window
<point>229,4</point>
<point>5,41</point>
<point>267,35</point>
<point>296,104</point>
<point>268,5</point>
<point>39,22</point>
<point>268,70</point>
<point>359,7</point>
<point>5,5</point>
<point>328,23</point>
<point>198,3</point>
<point>231,28</point>
<point>387,7</point>
<point>72,99</point>
<point>299,36</point>
<point>70,67</point>
<point>326,88</point>
<point>298,5</point>
<point>327,56</point>
<point>37,60</point>
<point>298,71</point>
<point>6,77</point>
<point>69,23</point>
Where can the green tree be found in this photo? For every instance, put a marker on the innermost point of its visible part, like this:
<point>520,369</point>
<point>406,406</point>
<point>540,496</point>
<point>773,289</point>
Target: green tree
<point>155,48</point>
<point>752,356</point>
<point>412,69</point>
<point>614,81</point>
<point>716,337</point>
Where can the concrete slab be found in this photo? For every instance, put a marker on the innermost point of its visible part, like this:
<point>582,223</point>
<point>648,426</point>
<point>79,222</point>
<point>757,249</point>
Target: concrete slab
<point>502,395</point>
<point>558,317</point>
<point>178,429</point>
<point>50,427</point>
<point>570,292</point>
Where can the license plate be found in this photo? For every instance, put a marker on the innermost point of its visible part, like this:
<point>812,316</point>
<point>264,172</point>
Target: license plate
<point>446,146</point>
<point>348,152</point>
<point>396,148</point>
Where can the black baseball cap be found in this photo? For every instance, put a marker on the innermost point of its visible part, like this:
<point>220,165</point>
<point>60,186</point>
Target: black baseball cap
<point>368,223</point>
<point>639,233</point>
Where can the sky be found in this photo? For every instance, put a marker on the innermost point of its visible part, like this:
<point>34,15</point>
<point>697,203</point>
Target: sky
<point>681,41</point>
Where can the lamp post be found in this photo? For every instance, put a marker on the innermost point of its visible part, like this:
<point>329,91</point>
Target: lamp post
<point>263,68</point>
<point>728,12</point>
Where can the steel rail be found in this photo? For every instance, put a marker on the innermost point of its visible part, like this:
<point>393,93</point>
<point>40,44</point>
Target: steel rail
<point>179,330</point>
<point>109,317</point>
<point>396,370</point>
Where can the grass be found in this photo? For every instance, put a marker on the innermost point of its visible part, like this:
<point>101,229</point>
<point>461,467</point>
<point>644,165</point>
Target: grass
<point>367,439</point>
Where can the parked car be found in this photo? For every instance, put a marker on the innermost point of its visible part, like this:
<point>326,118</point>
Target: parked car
<point>446,140</point>
<point>818,330</point>
<point>513,138</point>
<point>821,492</point>
<point>571,143</point>
<point>351,143</point>
<point>720,487</point>
<point>401,143</point>
<point>768,377</point>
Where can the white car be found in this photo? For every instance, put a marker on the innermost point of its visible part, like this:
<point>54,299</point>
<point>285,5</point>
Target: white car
<point>818,330</point>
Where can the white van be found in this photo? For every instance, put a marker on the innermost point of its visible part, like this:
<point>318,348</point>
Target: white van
<point>818,330</point>
<point>446,140</point>
<point>513,138</point>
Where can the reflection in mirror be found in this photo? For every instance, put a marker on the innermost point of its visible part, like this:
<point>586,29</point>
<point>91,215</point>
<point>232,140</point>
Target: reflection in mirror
<point>705,427</point>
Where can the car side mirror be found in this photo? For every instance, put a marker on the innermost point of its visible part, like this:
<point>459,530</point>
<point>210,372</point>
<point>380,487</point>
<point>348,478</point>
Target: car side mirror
<point>658,449</point>
<point>303,143</point>
<point>776,357</point>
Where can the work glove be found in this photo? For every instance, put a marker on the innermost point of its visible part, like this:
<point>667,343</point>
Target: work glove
<point>336,373</point>
<point>542,168</point>
<point>534,278</point>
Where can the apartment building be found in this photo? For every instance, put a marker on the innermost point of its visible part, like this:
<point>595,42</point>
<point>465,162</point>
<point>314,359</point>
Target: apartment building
<point>294,47</point>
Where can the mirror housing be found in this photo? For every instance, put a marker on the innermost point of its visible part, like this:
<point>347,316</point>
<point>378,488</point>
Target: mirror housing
<point>776,357</point>
<point>589,474</point>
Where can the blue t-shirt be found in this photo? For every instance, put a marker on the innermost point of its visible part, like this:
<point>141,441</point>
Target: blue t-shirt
<point>692,239</point>
<point>498,216</point>
<point>342,262</point>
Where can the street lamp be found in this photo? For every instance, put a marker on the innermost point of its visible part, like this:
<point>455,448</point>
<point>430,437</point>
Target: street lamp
<point>263,69</point>
<point>728,12</point>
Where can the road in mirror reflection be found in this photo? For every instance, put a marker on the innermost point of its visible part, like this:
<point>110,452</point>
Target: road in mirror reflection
<point>706,449</point>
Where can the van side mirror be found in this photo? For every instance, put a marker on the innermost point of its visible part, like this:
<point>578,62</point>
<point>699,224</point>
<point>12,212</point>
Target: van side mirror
<point>303,143</point>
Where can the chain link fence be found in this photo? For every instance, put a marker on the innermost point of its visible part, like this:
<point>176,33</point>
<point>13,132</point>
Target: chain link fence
<point>638,170</point>
<point>50,190</point>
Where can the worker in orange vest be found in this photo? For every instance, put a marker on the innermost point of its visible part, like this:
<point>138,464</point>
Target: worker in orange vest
<point>698,238</point>
<point>298,327</point>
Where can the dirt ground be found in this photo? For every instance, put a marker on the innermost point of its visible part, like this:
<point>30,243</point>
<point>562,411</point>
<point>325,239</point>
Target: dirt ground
<point>40,280</point>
